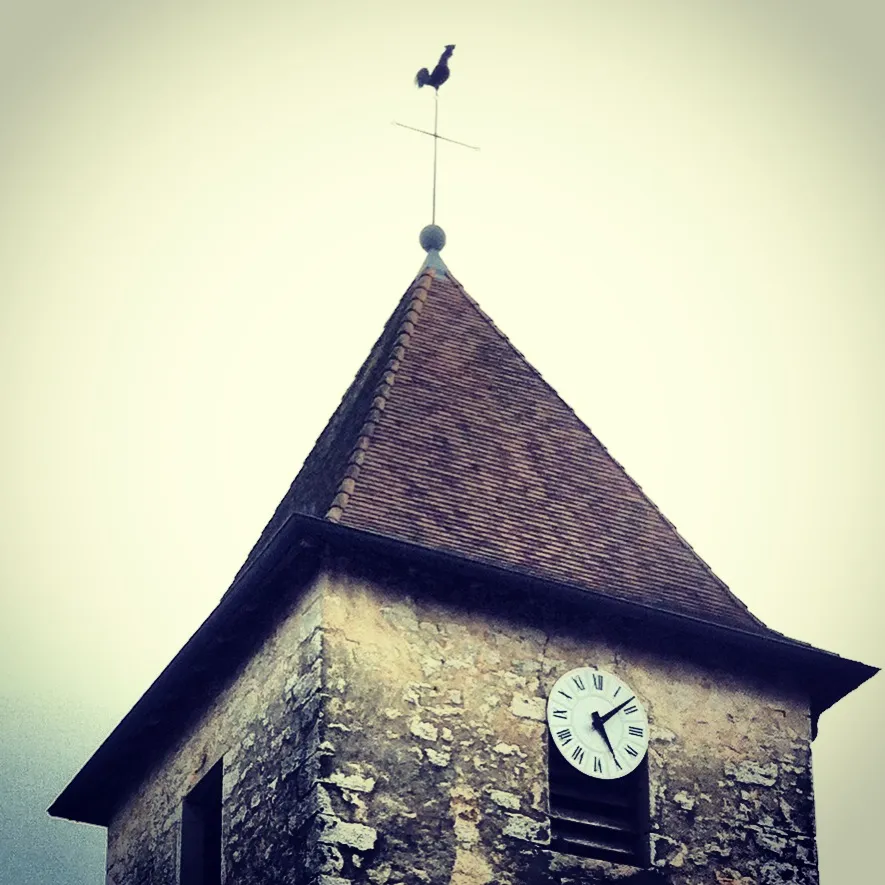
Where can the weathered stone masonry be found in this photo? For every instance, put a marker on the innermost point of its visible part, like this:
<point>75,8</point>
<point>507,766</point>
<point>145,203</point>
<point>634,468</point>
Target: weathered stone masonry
<point>266,727</point>
<point>389,732</point>
<point>437,699</point>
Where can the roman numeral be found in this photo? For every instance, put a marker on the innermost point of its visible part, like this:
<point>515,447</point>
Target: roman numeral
<point>578,755</point>
<point>636,731</point>
<point>616,693</point>
<point>597,764</point>
<point>579,682</point>
<point>597,681</point>
<point>565,735</point>
<point>631,751</point>
<point>560,714</point>
<point>564,694</point>
<point>631,709</point>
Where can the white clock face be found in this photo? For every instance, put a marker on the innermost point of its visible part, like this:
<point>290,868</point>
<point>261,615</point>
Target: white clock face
<point>598,723</point>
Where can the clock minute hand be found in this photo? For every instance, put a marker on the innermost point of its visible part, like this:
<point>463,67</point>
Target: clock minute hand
<point>597,724</point>
<point>604,719</point>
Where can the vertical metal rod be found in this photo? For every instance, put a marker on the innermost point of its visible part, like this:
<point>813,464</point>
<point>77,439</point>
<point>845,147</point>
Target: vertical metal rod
<point>435,142</point>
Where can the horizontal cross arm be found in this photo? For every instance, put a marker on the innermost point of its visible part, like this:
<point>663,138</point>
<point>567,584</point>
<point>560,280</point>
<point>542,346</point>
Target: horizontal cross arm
<point>434,135</point>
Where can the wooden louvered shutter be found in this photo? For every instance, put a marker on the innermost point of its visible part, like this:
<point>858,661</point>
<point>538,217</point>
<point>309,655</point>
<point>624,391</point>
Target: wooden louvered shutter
<point>607,820</point>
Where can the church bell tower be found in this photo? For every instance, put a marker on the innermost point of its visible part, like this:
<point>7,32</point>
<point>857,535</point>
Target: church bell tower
<point>467,649</point>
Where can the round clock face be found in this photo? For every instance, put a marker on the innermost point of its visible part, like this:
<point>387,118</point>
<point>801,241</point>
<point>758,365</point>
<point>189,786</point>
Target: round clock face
<point>597,722</point>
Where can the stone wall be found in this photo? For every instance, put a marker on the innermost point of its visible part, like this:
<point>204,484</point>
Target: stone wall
<point>391,731</point>
<point>266,726</point>
<point>436,730</point>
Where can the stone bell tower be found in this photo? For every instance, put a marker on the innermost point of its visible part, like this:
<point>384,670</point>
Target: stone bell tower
<point>467,649</point>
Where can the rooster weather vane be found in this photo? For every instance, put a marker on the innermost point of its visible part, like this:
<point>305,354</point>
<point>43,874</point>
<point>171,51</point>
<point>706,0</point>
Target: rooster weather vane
<point>440,72</point>
<point>436,78</point>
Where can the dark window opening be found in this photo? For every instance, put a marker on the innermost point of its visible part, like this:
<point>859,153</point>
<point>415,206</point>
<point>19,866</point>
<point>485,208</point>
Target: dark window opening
<point>201,831</point>
<point>606,820</point>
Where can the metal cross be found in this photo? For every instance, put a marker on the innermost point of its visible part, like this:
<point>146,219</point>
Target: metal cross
<point>436,139</point>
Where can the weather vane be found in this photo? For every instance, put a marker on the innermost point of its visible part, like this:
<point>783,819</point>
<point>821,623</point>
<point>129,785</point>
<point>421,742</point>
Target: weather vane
<point>436,78</point>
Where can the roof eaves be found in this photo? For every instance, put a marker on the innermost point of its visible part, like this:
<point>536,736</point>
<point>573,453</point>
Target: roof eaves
<point>103,782</point>
<point>843,674</point>
<point>97,789</point>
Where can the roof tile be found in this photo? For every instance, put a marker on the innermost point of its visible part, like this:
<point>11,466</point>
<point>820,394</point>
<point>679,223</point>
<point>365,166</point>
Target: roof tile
<point>448,438</point>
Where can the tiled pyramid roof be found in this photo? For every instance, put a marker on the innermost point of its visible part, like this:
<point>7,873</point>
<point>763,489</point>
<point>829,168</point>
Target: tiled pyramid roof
<point>449,439</point>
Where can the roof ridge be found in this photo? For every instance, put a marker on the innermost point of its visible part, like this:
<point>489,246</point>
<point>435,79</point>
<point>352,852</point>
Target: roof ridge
<point>735,600</point>
<point>347,484</point>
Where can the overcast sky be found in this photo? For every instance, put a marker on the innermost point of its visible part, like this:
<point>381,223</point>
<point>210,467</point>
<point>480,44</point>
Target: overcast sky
<point>206,216</point>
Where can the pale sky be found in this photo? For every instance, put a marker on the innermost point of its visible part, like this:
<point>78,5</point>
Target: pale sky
<point>677,215</point>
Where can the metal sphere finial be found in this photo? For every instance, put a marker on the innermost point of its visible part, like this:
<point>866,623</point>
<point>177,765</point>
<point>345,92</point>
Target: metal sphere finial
<point>432,238</point>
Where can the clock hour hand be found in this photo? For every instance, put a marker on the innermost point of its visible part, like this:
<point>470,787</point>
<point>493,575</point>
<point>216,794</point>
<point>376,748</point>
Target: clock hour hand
<point>604,719</point>
<point>598,725</point>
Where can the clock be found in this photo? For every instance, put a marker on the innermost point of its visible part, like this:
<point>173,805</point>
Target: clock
<point>597,723</point>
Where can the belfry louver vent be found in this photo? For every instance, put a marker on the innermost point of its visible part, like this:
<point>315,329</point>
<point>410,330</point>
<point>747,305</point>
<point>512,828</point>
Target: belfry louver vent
<point>604,819</point>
